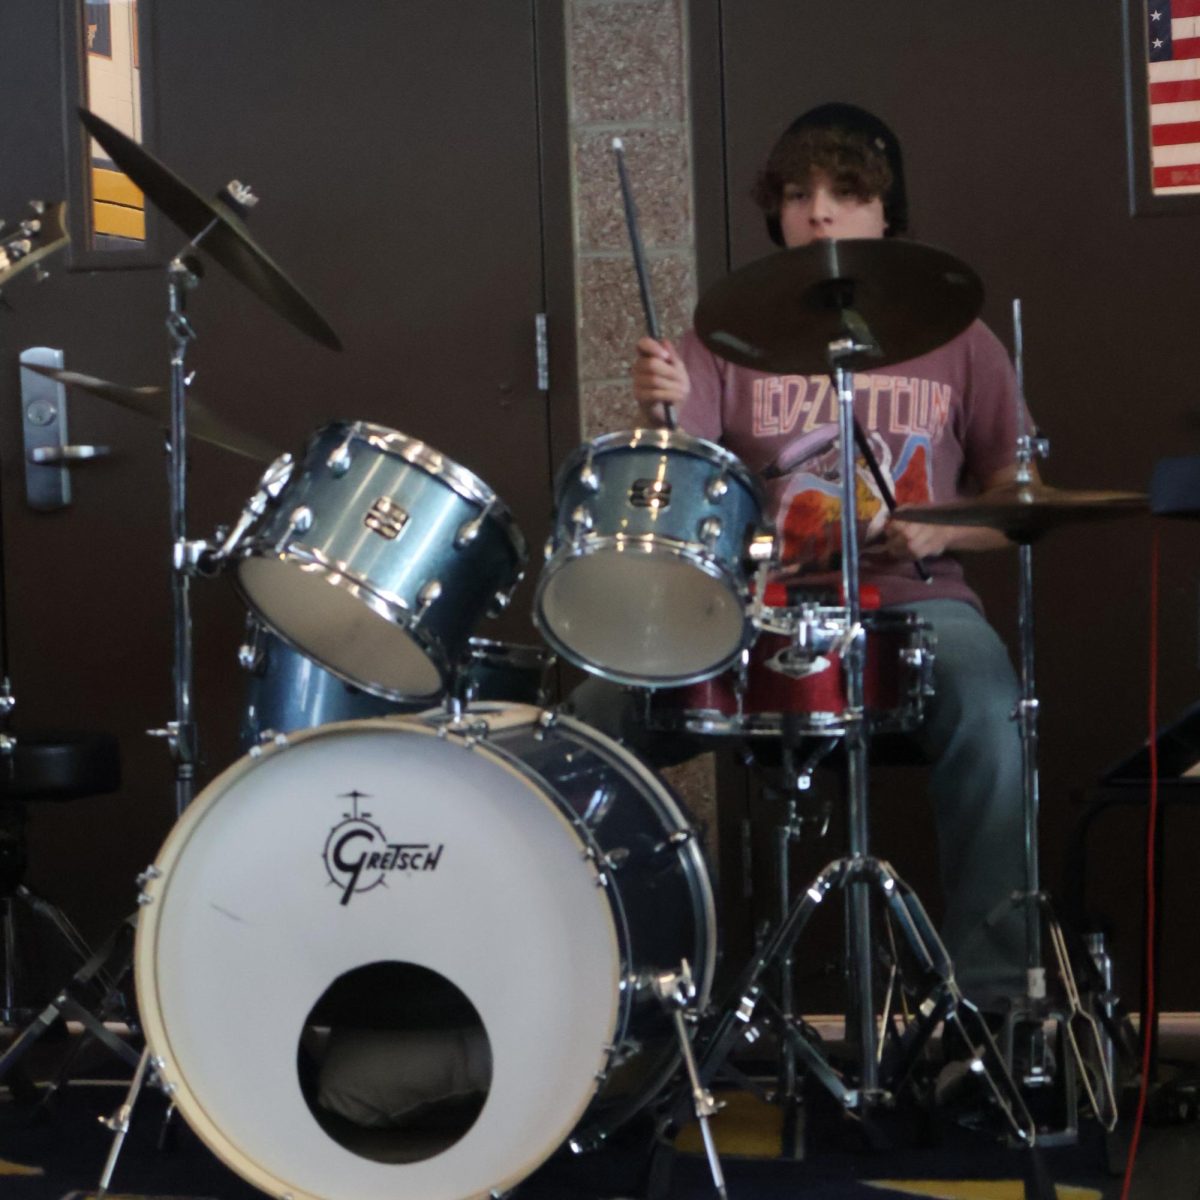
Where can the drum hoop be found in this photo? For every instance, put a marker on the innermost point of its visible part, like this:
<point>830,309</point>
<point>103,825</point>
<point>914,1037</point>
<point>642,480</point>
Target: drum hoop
<point>642,544</point>
<point>782,620</point>
<point>144,960</point>
<point>613,676</point>
<point>639,543</point>
<point>389,606</point>
<point>664,439</point>
<point>433,462</point>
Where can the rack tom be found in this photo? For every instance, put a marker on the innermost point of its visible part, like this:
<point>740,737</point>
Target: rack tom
<point>645,580</point>
<point>377,557</point>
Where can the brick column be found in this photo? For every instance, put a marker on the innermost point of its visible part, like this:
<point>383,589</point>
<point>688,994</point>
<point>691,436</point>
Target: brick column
<point>627,63</point>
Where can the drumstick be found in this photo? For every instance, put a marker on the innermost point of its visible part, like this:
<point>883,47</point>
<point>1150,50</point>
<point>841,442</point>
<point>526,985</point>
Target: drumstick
<point>864,447</point>
<point>639,259</point>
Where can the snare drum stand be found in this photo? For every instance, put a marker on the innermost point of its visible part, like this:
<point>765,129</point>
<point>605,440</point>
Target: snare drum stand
<point>861,876</point>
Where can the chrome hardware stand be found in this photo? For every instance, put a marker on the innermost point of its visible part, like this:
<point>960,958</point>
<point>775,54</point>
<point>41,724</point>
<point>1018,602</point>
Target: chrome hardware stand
<point>1029,1014</point>
<point>118,1123</point>
<point>182,276</point>
<point>944,1001</point>
<point>860,876</point>
<point>676,991</point>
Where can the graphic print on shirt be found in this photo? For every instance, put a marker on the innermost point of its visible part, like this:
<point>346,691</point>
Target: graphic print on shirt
<point>903,418</point>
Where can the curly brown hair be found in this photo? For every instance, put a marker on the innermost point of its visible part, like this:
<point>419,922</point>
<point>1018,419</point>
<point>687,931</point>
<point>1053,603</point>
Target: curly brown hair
<point>851,161</point>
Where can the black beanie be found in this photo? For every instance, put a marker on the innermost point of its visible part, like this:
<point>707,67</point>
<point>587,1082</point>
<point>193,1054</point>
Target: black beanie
<point>851,119</point>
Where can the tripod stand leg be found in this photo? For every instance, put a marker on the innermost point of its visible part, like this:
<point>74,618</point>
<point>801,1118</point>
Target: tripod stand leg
<point>677,990</point>
<point>109,963</point>
<point>119,1124</point>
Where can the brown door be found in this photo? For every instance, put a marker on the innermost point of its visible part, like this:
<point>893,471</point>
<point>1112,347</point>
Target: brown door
<point>400,159</point>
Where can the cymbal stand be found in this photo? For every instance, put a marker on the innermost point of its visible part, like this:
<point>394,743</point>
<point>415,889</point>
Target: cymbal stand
<point>183,275</point>
<point>1030,1012</point>
<point>860,876</point>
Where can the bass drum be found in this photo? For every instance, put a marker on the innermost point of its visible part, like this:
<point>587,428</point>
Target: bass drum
<point>409,958</point>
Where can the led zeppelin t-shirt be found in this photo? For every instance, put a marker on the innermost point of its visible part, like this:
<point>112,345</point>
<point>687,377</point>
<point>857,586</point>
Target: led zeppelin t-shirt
<point>939,425</point>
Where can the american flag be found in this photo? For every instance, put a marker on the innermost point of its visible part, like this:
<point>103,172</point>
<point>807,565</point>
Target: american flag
<point>1173,42</point>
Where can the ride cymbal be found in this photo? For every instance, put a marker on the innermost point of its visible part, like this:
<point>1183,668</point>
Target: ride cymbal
<point>154,403</point>
<point>780,313</point>
<point>226,237</point>
<point>1024,511</point>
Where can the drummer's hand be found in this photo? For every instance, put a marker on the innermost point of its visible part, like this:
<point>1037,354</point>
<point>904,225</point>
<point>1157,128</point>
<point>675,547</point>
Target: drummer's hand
<point>906,540</point>
<point>659,377</point>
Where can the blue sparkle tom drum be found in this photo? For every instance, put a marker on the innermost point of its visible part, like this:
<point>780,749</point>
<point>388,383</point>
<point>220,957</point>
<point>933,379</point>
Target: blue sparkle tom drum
<point>376,557</point>
<point>645,581</point>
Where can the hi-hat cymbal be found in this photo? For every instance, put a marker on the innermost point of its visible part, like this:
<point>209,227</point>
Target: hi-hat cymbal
<point>1024,511</point>
<point>781,312</point>
<point>154,403</point>
<point>226,237</point>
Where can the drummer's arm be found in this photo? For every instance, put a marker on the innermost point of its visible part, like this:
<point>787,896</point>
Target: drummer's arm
<point>659,377</point>
<point>906,539</point>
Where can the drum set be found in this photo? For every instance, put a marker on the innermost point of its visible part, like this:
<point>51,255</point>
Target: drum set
<point>428,929</point>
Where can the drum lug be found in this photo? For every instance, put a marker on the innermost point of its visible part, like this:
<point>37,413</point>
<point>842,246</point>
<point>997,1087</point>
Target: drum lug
<point>679,838</point>
<point>546,721</point>
<point>501,600</point>
<point>426,598</point>
<point>468,531</point>
<point>338,461</point>
<point>548,548</point>
<point>717,487</point>
<point>252,653</point>
<point>710,531</point>
<point>150,873</point>
<point>589,477</point>
<point>622,1052</point>
<point>582,522</point>
<point>616,858</point>
<point>300,521</point>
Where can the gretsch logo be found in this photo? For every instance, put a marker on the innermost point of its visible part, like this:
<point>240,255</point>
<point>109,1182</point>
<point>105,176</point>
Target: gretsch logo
<point>359,857</point>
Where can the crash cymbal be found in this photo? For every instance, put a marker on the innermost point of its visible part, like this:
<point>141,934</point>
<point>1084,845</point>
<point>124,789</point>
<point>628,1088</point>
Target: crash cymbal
<point>1024,511</point>
<point>781,312</point>
<point>154,403</point>
<point>226,237</point>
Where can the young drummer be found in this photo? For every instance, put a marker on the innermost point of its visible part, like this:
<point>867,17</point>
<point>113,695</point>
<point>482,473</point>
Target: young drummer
<point>942,426</point>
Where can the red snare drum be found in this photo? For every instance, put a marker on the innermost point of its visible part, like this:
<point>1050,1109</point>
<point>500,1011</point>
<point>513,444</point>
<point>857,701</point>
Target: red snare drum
<point>794,682</point>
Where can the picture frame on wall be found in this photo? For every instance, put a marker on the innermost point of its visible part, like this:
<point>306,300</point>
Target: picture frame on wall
<point>99,28</point>
<point>1162,105</point>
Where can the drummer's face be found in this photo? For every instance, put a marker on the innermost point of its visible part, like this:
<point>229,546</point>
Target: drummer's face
<point>820,209</point>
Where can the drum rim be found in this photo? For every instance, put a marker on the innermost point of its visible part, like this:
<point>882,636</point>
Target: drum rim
<point>461,480</point>
<point>147,933</point>
<point>637,544</point>
<point>386,606</point>
<point>663,439</point>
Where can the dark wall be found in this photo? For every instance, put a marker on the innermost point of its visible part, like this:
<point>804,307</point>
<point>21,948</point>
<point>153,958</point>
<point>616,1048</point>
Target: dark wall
<point>1012,120</point>
<point>413,178</point>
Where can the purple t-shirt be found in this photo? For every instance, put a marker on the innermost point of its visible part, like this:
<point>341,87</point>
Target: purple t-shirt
<point>940,425</point>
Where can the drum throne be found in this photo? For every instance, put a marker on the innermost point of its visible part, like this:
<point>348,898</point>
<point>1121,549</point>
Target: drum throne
<point>50,768</point>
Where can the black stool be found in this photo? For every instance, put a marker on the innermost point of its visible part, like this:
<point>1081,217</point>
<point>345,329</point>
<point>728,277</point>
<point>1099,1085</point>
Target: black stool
<point>53,767</point>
